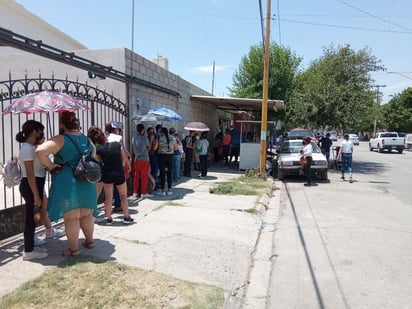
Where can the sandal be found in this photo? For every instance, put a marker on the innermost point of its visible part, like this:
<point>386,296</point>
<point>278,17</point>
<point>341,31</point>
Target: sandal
<point>88,244</point>
<point>69,252</point>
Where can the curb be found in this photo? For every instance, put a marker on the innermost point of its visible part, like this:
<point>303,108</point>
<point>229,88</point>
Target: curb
<point>258,282</point>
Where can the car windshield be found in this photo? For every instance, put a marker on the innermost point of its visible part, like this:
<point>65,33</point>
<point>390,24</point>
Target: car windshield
<point>389,135</point>
<point>296,146</point>
<point>299,134</point>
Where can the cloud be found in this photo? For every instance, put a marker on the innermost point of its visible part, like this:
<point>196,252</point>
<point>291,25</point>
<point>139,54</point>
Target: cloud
<point>209,69</point>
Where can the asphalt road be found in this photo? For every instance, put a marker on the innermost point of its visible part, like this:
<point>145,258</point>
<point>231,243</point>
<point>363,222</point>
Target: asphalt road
<point>343,245</point>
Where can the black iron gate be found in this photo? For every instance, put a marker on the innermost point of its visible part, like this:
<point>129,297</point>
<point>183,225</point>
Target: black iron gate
<point>104,107</point>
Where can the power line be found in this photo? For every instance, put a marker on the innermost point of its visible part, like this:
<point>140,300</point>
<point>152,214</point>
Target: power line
<point>374,16</point>
<point>345,27</point>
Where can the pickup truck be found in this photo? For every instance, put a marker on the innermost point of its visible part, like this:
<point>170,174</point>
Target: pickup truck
<point>387,141</point>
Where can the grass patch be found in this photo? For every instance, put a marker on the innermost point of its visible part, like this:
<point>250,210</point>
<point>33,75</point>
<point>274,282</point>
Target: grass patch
<point>88,282</point>
<point>242,186</point>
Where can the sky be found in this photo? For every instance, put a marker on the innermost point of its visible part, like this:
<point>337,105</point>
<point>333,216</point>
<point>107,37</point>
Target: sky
<point>195,34</point>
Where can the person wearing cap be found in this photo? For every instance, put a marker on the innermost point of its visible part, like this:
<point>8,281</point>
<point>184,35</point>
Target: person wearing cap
<point>177,156</point>
<point>345,154</point>
<point>141,166</point>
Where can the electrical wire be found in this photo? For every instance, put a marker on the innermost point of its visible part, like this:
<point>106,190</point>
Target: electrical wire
<point>374,16</point>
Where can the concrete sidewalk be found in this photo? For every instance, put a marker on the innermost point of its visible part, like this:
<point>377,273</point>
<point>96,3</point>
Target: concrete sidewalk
<point>192,235</point>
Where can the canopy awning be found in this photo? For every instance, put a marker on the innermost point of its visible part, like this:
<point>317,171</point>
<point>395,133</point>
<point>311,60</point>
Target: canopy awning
<point>239,104</point>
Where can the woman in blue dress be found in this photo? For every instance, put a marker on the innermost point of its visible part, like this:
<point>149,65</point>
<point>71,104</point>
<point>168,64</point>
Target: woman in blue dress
<point>70,198</point>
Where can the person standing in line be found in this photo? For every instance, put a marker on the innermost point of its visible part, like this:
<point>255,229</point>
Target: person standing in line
<point>203,147</point>
<point>70,198</point>
<point>226,147</point>
<point>195,159</point>
<point>113,131</point>
<point>141,165</point>
<point>307,153</point>
<point>325,145</point>
<point>345,155</point>
<point>217,147</point>
<point>177,156</point>
<point>167,146</point>
<point>32,184</point>
<point>114,160</point>
<point>153,137</point>
<point>189,141</point>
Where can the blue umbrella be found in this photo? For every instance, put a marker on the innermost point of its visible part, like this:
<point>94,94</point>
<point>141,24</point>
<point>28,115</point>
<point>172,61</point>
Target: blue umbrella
<point>165,112</point>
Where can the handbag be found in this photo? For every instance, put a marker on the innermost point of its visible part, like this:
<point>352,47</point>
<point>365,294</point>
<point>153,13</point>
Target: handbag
<point>303,161</point>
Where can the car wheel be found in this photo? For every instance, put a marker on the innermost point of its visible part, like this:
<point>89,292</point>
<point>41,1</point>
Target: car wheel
<point>370,147</point>
<point>280,174</point>
<point>324,175</point>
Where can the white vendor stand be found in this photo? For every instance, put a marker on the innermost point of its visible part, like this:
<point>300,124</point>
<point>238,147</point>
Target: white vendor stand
<point>249,151</point>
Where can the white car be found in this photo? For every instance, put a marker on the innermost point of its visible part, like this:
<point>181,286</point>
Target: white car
<point>354,138</point>
<point>289,156</point>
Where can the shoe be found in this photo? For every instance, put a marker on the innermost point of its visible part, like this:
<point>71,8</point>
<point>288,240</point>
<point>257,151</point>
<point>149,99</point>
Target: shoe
<point>128,220</point>
<point>169,193</point>
<point>39,242</point>
<point>202,177</point>
<point>50,233</point>
<point>161,193</point>
<point>342,177</point>
<point>147,195</point>
<point>109,221</point>
<point>99,219</point>
<point>307,184</point>
<point>350,179</point>
<point>135,195</point>
<point>34,255</point>
<point>40,249</point>
<point>117,209</point>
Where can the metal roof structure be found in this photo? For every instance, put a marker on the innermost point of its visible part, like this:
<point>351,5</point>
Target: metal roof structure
<point>238,104</point>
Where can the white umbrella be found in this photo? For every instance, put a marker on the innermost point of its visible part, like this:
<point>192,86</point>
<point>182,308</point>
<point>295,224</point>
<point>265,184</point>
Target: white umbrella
<point>196,126</point>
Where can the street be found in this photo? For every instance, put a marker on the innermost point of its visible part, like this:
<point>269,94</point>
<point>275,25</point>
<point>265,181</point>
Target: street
<point>343,245</point>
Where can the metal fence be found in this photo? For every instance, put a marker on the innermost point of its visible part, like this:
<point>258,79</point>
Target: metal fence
<point>104,107</point>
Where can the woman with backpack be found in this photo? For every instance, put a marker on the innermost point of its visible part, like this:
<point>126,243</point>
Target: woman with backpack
<point>72,199</point>
<point>167,146</point>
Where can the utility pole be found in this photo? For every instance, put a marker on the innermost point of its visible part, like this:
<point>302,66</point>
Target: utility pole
<point>263,133</point>
<point>377,102</point>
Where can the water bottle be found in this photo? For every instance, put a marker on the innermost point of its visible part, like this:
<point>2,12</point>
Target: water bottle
<point>36,214</point>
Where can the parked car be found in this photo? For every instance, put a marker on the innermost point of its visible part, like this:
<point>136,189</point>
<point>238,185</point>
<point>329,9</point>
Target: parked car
<point>333,135</point>
<point>354,138</point>
<point>300,133</point>
<point>387,141</point>
<point>289,163</point>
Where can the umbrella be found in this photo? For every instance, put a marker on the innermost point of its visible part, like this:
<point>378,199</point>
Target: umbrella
<point>149,117</point>
<point>45,101</point>
<point>196,126</point>
<point>167,113</point>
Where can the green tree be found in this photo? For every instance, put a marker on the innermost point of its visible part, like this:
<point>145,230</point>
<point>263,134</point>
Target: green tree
<point>336,91</point>
<point>396,115</point>
<point>283,69</point>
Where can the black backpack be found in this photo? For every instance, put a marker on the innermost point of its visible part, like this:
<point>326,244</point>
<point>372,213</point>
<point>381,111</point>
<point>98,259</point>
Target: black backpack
<point>88,168</point>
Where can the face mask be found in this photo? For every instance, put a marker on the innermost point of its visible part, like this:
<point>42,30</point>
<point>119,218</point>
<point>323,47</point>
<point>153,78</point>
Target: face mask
<point>39,138</point>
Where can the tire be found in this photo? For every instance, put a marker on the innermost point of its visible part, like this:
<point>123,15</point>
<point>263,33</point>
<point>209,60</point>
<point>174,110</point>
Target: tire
<point>280,174</point>
<point>324,175</point>
<point>370,147</point>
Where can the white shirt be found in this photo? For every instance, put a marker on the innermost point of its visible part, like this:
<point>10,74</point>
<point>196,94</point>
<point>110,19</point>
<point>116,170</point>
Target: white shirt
<point>307,150</point>
<point>347,146</point>
<point>28,153</point>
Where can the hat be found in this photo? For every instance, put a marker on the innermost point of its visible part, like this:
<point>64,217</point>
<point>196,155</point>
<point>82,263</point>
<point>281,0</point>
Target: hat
<point>117,125</point>
<point>172,130</point>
